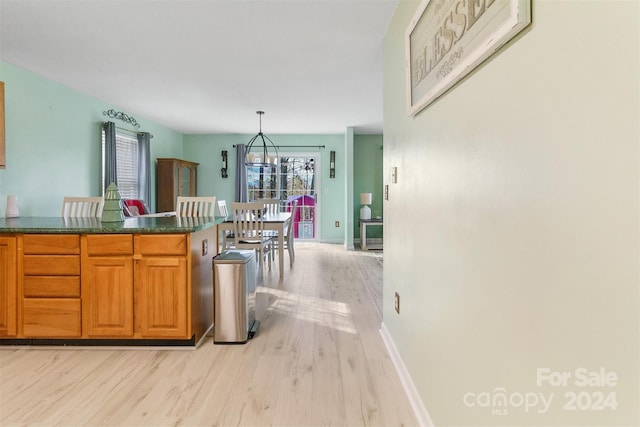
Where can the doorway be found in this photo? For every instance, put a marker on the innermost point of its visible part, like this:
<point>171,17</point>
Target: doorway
<point>293,177</point>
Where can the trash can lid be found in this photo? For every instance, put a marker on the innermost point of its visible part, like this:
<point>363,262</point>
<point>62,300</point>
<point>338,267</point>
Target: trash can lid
<point>235,256</point>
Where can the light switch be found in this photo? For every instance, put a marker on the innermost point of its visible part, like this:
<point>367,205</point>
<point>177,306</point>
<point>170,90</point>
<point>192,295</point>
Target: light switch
<point>394,174</point>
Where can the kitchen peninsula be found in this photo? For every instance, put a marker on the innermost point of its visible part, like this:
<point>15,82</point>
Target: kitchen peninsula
<point>78,281</point>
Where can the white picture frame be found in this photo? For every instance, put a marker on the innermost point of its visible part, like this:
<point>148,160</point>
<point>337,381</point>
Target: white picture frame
<point>447,39</point>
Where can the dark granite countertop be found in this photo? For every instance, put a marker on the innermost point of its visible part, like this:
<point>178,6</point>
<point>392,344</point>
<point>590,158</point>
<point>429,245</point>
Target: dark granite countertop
<point>144,225</point>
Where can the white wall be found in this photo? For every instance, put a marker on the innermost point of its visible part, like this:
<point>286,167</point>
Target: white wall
<point>524,181</point>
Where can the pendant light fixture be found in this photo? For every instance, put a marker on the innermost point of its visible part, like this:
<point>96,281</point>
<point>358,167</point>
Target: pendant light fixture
<point>262,156</point>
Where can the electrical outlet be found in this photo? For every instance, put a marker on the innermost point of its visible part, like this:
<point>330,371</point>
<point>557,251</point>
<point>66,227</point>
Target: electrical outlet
<point>337,223</point>
<point>386,192</point>
<point>397,302</point>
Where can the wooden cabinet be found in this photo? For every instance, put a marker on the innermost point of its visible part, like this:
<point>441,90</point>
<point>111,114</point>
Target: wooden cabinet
<point>8,286</point>
<point>135,286</point>
<point>51,286</point>
<point>175,178</point>
<point>107,285</point>
<point>161,286</point>
<point>128,286</point>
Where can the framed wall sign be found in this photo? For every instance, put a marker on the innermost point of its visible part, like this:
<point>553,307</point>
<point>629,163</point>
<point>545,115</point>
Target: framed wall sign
<point>447,39</point>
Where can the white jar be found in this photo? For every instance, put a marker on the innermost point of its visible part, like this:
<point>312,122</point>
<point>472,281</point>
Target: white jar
<point>12,207</point>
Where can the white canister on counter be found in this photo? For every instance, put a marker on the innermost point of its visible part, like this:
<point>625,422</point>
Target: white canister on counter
<point>12,207</point>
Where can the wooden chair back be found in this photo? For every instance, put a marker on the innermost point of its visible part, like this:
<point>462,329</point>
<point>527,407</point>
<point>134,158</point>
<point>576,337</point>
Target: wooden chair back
<point>222,208</point>
<point>195,206</point>
<point>247,222</point>
<point>248,230</point>
<point>82,207</point>
<point>270,205</point>
<point>291,221</point>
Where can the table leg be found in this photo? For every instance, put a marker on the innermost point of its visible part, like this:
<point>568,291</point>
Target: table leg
<point>363,236</point>
<point>281,251</point>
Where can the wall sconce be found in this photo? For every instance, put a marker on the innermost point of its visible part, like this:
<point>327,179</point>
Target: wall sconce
<point>332,164</point>
<point>224,164</point>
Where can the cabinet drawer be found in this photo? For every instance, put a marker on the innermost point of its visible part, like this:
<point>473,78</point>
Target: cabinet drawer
<point>163,244</point>
<point>51,244</point>
<point>51,265</point>
<point>58,317</point>
<point>52,286</point>
<point>109,244</point>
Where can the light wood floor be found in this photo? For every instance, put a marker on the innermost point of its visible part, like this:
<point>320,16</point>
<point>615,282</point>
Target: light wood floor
<point>317,360</point>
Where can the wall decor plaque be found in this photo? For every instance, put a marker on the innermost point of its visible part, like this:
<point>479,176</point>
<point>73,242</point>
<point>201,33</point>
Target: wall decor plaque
<point>447,39</point>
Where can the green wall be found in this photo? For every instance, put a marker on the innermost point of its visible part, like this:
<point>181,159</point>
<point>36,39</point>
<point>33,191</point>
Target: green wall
<point>206,149</point>
<point>53,143</point>
<point>53,150</point>
<point>367,178</point>
<point>512,235</point>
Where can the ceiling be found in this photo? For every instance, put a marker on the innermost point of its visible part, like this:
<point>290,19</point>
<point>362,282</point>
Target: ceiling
<point>207,66</point>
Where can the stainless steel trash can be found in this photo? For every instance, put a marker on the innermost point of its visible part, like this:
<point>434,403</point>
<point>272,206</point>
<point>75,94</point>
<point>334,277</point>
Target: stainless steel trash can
<point>234,297</point>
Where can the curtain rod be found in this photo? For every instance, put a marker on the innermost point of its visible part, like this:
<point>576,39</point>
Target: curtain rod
<point>136,132</point>
<point>296,146</point>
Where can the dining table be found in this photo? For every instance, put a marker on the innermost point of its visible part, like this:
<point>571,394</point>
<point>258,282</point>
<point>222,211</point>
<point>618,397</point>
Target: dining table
<point>277,221</point>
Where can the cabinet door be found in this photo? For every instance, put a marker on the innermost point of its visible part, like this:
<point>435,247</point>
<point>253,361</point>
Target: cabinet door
<point>193,180</point>
<point>107,296</point>
<point>51,317</point>
<point>8,286</point>
<point>161,297</point>
<point>185,180</point>
<point>177,189</point>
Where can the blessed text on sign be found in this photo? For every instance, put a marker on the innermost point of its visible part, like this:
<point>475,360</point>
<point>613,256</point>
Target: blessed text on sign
<point>448,38</point>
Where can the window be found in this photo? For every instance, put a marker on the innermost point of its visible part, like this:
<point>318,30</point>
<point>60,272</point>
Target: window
<point>127,155</point>
<point>262,182</point>
<point>294,178</point>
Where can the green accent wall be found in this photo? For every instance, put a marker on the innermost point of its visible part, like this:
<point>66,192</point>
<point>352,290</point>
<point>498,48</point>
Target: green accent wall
<point>513,232</point>
<point>207,149</point>
<point>367,178</point>
<point>53,142</point>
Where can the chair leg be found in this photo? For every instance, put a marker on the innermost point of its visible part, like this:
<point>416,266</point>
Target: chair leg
<point>260,261</point>
<point>269,253</point>
<point>292,253</point>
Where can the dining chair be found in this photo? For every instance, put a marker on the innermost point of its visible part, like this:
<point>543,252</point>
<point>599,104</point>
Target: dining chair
<point>195,206</point>
<point>270,205</point>
<point>227,235</point>
<point>82,207</point>
<point>248,229</point>
<point>223,208</point>
<point>288,236</point>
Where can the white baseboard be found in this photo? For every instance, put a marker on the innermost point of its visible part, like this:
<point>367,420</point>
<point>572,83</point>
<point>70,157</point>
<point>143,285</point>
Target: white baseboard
<point>332,241</point>
<point>407,383</point>
<point>370,241</point>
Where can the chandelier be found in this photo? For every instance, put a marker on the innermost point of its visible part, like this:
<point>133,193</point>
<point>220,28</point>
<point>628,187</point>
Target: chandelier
<point>262,155</point>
